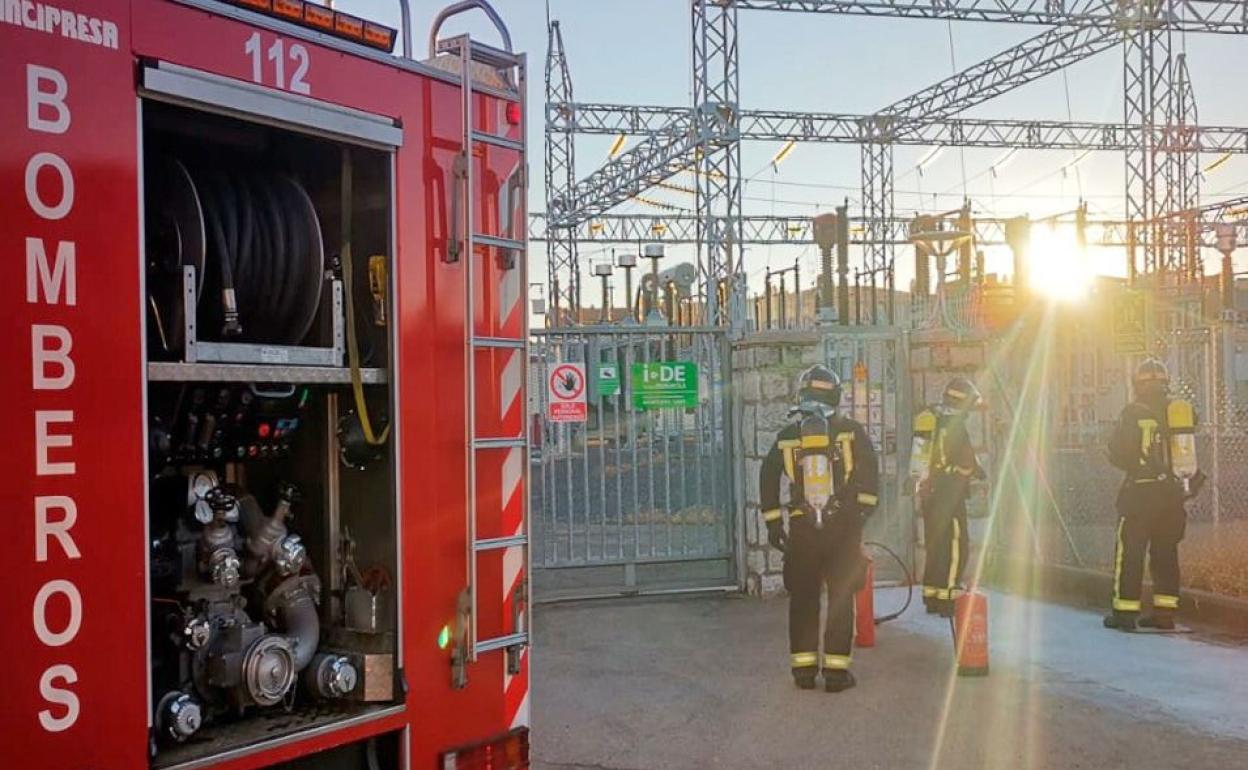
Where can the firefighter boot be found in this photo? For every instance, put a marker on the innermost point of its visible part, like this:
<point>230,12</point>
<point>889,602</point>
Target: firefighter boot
<point>1162,620</point>
<point>1123,621</point>
<point>838,679</point>
<point>943,607</point>
<point>804,680</point>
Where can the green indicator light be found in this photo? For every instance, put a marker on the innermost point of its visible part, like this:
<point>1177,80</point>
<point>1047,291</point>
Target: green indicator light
<point>444,637</point>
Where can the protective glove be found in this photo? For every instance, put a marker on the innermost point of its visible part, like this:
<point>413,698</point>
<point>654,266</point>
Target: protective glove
<point>776,535</point>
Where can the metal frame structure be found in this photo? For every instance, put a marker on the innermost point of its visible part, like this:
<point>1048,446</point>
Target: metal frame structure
<point>561,255</point>
<point>1159,135</point>
<point>792,230</point>
<point>849,128</point>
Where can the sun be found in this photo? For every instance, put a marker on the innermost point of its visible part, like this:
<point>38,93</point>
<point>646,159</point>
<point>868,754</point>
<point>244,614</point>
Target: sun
<point>1056,265</point>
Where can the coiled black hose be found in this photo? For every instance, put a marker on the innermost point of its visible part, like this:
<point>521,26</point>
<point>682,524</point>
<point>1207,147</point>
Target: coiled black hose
<point>265,257</point>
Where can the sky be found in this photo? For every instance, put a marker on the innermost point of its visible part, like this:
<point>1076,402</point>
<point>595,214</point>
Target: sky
<point>638,52</point>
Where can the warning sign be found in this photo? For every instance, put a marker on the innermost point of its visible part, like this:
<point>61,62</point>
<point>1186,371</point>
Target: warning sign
<point>608,380</point>
<point>566,393</point>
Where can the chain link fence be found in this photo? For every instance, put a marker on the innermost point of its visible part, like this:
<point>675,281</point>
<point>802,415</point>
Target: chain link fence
<point>1058,493</point>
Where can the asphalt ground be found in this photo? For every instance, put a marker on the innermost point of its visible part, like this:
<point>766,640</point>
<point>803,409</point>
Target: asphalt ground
<point>702,681</point>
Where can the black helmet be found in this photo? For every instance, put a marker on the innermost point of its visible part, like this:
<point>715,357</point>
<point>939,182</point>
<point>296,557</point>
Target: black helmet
<point>819,383</point>
<point>1151,378</point>
<point>961,394</point>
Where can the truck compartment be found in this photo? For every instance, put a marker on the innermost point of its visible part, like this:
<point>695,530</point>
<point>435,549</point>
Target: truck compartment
<point>272,506</point>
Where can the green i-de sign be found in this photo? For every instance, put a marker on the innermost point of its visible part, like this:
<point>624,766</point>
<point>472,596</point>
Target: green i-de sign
<point>663,385</point>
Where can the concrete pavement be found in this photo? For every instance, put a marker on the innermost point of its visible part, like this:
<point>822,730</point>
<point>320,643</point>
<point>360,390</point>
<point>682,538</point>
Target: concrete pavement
<point>702,681</point>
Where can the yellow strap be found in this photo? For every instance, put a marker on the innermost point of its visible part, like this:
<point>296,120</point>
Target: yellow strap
<point>846,440</point>
<point>1165,602</point>
<point>1147,427</point>
<point>789,469</point>
<point>815,441</point>
<point>838,662</point>
<point>772,515</point>
<point>803,659</point>
<point>867,499</point>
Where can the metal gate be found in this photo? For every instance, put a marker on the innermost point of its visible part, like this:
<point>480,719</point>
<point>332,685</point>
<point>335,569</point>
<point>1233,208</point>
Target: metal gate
<point>631,499</point>
<point>872,364</point>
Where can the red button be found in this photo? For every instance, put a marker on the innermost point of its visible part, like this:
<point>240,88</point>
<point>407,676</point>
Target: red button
<point>263,430</point>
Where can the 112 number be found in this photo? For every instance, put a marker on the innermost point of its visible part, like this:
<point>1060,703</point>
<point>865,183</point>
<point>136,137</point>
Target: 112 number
<point>278,54</point>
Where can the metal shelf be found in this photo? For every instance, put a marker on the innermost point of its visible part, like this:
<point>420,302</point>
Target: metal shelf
<point>173,371</point>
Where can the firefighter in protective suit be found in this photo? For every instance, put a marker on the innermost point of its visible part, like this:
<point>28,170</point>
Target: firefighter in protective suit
<point>833,487</point>
<point>1154,444</point>
<point>942,497</point>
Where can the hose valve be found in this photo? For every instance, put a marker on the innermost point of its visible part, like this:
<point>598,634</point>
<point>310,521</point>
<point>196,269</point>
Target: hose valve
<point>178,716</point>
<point>196,633</point>
<point>290,555</point>
<point>331,676</point>
<point>226,568</point>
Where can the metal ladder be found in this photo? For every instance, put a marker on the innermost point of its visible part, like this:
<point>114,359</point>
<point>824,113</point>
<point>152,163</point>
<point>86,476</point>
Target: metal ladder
<point>512,67</point>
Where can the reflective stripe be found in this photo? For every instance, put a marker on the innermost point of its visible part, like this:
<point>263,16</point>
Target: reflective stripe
<point>964,471</point>
<point>1127,605</point>
<point>867,499</point>
<point>803,659</point>
<point>772,515</point>
<point>930,592</point>
<point>788,443</point>
<point>786,449</point>
<point>796,512</point>
<point>955,393</point>
<point>816,441</point>
<point>1118,567</point>
<point>839,662</point>
<point>955,556</point>
<point>1165,602</point>
<point>846,440</point>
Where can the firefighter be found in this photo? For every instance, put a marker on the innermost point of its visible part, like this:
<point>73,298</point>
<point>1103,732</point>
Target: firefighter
<point>942,496</point>
<point>1154,445</point>
<point>833,487</point>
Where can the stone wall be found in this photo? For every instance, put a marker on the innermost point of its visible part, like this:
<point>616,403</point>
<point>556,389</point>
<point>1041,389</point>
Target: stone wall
<point>765,368</point>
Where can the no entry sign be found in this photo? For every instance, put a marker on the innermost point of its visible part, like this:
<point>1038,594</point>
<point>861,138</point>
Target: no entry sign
<point>566,393</point>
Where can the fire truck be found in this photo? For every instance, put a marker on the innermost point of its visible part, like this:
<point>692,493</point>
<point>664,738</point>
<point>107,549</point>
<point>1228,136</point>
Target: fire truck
<point>266,341</point>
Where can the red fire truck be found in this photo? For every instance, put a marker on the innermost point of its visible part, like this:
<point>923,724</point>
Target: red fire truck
<point>265,448</point>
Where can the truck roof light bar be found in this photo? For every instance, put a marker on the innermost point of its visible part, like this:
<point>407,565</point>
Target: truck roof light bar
<point>327,20</point>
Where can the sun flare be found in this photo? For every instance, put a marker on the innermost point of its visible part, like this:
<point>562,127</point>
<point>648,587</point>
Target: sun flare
<point>1057,267</point>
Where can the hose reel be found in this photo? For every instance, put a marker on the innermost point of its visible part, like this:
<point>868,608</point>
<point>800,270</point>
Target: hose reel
<point>254,239</point>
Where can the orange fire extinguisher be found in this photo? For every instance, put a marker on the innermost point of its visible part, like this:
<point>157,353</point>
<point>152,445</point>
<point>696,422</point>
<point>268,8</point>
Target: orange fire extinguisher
<point>864,609</point>
<point>970,633</point>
